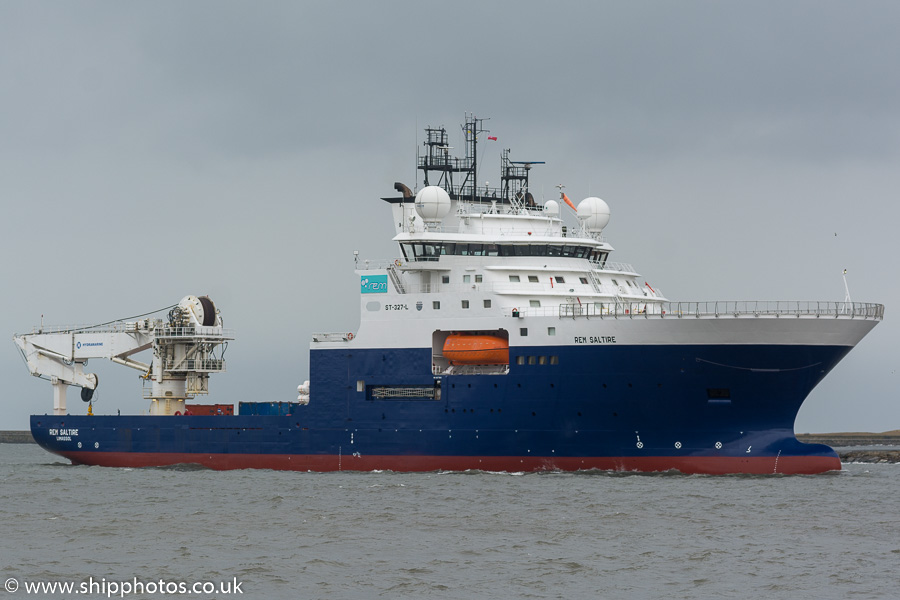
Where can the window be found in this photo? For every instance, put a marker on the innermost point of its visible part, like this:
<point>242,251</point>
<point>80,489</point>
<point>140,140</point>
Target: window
<point>532,279</point>
<point>583,280</point>
<point>487,303</point>
<point>523,331</point>
<point>532,360</point>
<point>551,331</point>
<point>478,279</point>
<point>445,279</point>
<point>520,360</point>
<point>542,360</point>
<point>560,279</point>
<point>436,305</point>
<point>514,278</point>
<point>615,282</point>
<point>465,304</point>
<point>467,278</point>
<point>534,303</point>
<point>360,385</point>
<point>554,360</point>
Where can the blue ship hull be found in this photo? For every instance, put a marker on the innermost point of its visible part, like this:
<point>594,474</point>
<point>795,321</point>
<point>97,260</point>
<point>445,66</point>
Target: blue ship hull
<point>692,408</point>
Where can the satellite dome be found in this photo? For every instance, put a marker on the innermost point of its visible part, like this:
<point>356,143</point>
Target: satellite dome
<point>594,214</point>
<point>551,207</point>
<point>432,203</point>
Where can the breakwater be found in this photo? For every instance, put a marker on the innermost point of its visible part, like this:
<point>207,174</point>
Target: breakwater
<point>16,437</point>
<point>887,452</point>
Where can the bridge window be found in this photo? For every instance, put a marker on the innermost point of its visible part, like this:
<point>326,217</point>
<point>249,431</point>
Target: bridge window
<point>514,278</point>
<point>532,279</point>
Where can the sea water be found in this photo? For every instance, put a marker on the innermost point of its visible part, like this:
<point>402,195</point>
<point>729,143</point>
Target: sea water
<point>141,533</point>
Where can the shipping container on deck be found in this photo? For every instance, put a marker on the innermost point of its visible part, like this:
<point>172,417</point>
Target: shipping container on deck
<point>210,409</point>
<point>268,409</point>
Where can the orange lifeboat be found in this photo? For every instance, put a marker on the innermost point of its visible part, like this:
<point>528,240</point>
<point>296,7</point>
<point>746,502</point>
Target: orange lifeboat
<point>467,349</point>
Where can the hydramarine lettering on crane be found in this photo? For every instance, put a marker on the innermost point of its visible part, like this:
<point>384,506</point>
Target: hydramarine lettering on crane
<point>595,339</point>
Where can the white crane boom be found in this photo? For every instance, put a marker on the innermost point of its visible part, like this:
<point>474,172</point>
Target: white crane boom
<point>185,351</point>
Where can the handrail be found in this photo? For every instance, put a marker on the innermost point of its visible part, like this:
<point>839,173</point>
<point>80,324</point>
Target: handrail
<point>156,327</point>
<point>725,308</point>
<point>386,263</point>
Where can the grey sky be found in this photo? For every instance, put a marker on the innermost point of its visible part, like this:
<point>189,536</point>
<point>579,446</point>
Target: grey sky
<point>154,150</point>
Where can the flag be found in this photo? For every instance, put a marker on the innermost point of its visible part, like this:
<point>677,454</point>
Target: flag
<point>492,137</point>
<point>569,202</point>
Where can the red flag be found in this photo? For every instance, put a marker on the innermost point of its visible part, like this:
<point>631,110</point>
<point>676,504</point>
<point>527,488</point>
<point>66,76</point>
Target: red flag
<point>569,202</point>
<point>492,137</point>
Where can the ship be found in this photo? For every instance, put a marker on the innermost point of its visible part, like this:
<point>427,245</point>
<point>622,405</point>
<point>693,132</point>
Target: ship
<point>500,337</point>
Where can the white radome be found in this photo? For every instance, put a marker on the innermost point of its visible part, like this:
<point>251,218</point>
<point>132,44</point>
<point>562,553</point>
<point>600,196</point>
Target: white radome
<point>551,207</point>
<point>594,213</point>
<point>432,203</point>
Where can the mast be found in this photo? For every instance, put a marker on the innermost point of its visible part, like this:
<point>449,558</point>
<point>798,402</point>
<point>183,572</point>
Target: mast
<point>471,129</point>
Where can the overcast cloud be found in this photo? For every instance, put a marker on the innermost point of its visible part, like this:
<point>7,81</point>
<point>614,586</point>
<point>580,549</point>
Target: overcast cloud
<point>154,150</point>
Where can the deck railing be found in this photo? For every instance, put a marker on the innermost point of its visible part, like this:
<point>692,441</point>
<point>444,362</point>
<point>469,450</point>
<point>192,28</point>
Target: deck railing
<point>729,308</point>
<point>365,264</point>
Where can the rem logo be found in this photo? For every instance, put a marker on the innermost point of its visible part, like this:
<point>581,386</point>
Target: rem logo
<point>87,344</point>
<point>373,284</point>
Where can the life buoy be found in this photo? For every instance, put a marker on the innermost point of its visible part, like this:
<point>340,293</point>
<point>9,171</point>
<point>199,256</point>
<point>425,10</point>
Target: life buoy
<point>349,336</point>
<point>397,263</point>
<point>177,413</point>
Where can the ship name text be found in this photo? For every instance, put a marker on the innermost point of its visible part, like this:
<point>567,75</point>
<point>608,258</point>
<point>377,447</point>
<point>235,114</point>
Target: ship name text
<point>63,435</point>
<point>595,339</point>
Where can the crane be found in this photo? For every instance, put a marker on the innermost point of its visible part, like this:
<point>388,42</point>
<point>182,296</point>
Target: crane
<point>187,346</point>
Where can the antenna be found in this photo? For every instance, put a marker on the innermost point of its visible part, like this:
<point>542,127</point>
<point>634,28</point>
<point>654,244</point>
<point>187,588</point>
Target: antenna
<point>846,289</point>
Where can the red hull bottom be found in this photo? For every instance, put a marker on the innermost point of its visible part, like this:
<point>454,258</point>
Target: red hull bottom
<point>711,465</point>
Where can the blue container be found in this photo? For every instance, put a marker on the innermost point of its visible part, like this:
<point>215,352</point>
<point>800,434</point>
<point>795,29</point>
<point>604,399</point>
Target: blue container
<point>268,409</point>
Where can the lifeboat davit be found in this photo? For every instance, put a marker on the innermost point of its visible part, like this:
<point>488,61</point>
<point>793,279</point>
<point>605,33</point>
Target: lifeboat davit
<point>468,349</point>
